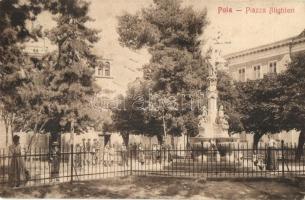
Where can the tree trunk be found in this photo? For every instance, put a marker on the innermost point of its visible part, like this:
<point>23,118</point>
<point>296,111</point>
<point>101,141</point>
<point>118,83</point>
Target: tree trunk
<point>107,139</point>
<point>187,141</point>
<point>11,120</point>
<point>55,137</point>
<point>72,133</point>
<point>7,127</point>
<point>160,139</point>
<point>125,136</point>
<point>299,150</point>
<point>12,131</point>
<point>256,138</point>
<point>172,141</point>
<point>164,126</point>
<point>6,135</point>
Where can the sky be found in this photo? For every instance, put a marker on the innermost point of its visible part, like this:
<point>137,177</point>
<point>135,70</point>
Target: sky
<point>239,30</point>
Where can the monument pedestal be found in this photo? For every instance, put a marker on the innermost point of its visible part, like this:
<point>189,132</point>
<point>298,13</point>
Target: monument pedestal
<point>218,140</point>
<point>211,133</point>
<point>213,126</point>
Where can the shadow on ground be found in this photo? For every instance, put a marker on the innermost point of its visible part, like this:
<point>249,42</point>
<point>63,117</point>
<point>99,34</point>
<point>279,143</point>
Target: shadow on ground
<point>157,187</point>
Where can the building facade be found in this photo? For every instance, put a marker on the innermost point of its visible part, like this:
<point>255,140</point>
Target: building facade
<point>104,79</point>
<point>254,63</point>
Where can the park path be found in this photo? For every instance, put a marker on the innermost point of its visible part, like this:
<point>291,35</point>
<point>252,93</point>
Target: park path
<point>157,187</point>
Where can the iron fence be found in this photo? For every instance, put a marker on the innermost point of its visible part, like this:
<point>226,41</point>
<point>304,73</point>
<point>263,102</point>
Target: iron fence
<point>222,161</point>
<point>72,164</point>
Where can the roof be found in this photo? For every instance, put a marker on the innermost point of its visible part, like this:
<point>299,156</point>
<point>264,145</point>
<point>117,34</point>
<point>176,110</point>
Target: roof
<point>280,43</point>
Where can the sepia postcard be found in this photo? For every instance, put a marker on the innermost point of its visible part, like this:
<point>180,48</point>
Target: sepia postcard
<point>152,99</point>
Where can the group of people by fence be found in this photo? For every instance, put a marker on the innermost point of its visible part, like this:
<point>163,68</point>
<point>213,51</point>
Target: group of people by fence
<point>91,154</point>
<point>94,155</point>
<point>155,154</point>
<point>119,154</point>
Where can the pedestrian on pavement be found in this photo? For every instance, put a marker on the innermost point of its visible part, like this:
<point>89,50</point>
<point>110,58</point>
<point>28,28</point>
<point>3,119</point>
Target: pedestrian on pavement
<point>18,174</point>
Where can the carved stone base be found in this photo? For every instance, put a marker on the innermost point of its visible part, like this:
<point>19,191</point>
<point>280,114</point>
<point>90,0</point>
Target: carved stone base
<point>218,140</point>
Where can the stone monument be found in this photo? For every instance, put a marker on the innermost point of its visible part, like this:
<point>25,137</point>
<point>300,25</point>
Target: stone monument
<point>213,125</point>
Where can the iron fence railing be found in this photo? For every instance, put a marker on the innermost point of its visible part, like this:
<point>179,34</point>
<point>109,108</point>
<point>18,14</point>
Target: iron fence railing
<point>228,161</point>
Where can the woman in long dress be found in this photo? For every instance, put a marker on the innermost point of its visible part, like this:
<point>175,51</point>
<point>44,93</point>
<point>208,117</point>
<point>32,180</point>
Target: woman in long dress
<point>17,173</point>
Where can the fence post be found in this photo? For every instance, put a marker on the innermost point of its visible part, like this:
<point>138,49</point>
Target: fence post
<point>283,158</point>
<point>72,167</point>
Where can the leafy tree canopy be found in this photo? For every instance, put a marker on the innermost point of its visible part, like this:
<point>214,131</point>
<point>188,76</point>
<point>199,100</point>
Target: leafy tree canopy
<point>67,83</point>
<point>171,33</point>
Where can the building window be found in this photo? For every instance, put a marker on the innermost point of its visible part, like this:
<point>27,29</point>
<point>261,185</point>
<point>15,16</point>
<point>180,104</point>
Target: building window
<point>257,72</point>
<point>107,69</point>
<point>242,74</point>
<point>272,67</point>
<point>100,71</point>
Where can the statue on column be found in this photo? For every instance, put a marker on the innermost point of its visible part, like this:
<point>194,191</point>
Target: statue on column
<point>203,116</point>
<point>212,70</point>
<point>222,121</point>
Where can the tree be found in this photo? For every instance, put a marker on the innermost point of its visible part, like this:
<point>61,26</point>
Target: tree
<point>129,115</point>
<point>292,105</point>
<point>68,73</point>
<point>260,106</point>
<point>171,34</point>
<point>275,103</point>
<point>13,29</point>
<point>177,67</point>
<point>228,96</point>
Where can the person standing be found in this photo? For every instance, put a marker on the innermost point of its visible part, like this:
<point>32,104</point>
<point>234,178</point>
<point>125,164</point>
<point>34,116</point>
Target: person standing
<point>158,159</point>
<point>95,152</point>
<point>17,173</point>
<point>78,156</point>
<point>88,150</point>
<point>154,153</point>
<point>170,159</point>
<point>55,161</point>
<point>141,154</point>
<point>124,154</point>
<point>271,157</point>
